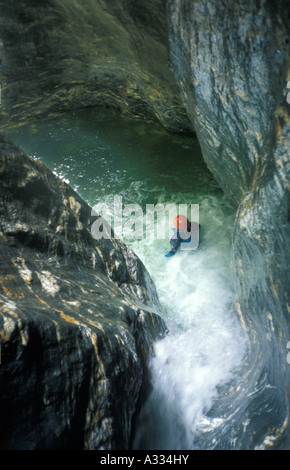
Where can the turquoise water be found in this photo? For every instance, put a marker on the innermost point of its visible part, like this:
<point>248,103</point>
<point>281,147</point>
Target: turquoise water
<point>102,155</point>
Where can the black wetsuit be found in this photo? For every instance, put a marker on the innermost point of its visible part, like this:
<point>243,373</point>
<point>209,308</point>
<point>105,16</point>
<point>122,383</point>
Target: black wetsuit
<point>179,238</point>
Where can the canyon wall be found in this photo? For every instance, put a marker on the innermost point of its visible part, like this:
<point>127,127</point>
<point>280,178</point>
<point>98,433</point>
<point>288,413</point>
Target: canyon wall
<point>232,60</point>
<point>219,69</point>
<point>78,318</point>
<point>56,56</point>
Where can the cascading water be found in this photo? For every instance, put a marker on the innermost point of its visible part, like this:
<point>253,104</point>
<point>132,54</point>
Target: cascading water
<point>205,343</point>
<point>103,155</point>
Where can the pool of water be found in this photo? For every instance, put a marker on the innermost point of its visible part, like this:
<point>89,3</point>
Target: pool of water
<point>103,155</point>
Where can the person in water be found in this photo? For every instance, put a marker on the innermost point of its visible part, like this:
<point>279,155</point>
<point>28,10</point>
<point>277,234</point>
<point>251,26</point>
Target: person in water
<point>185,232</point>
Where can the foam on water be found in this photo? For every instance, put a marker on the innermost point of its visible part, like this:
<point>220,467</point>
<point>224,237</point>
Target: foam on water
<point>101,156</point>
<point>205,343</point>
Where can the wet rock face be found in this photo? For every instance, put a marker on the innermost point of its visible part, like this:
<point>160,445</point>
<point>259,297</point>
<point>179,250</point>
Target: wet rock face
<point>78,319</point>
<point>231,63</point>
<point>231,60</point>
<point>56,56</point>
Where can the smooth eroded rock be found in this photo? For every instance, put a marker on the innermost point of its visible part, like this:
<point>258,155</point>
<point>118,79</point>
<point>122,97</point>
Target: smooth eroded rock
<point>231,60</point>
<point>56,56</point>
<point>78,319</point>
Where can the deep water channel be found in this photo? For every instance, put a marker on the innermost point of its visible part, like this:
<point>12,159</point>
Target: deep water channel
<point>103,155</point>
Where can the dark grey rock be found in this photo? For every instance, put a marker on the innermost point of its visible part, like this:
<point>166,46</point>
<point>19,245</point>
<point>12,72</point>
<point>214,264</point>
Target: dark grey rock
<point>231,60</point>
<point>66,55</point>
<point>79,318</point>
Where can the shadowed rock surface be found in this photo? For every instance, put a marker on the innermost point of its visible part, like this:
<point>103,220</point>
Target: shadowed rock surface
<point>76,323</point>
<point>57,56</point>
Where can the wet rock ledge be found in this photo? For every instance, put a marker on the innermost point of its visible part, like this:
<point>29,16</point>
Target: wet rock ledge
<point>77,323</point>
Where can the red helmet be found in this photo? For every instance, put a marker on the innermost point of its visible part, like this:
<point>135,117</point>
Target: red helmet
<point>181,222</point>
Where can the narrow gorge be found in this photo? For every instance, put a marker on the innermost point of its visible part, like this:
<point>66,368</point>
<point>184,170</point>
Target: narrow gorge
<point>199,90</point>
